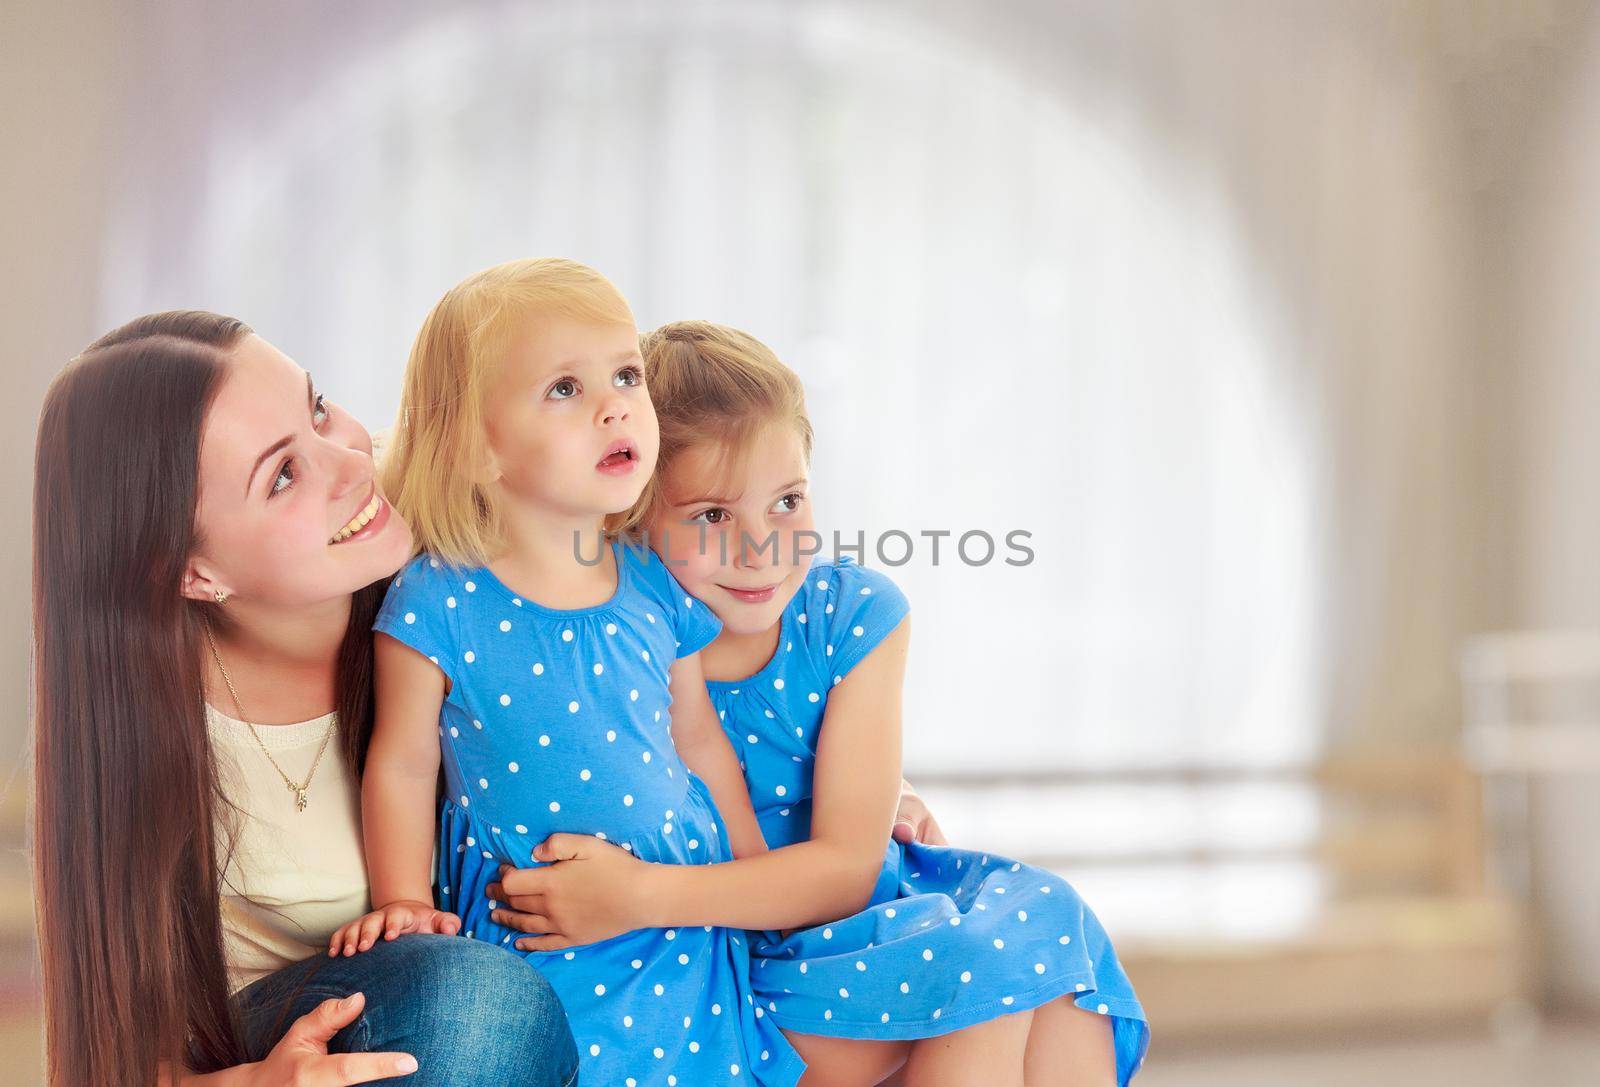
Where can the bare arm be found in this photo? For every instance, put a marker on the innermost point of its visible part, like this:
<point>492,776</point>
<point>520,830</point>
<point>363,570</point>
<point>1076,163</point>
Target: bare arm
<point>397,795</point>
<point>595,890</point>
<point>398,787</point>
<point>853,794</point>
<point>704,748</point>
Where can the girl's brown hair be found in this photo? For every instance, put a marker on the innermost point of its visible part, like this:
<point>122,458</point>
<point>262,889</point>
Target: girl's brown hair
<point>716,387</point>
<point>128,849</point>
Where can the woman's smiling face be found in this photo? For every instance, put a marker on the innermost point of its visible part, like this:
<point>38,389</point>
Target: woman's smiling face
<point>289,513</point>
<point>742,545</point>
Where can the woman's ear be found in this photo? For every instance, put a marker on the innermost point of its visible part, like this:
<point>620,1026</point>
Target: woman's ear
<point>199,583</point>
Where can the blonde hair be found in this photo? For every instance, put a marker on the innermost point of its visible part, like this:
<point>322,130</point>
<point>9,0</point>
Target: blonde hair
<point>714,386</point>
<point>431,472</point>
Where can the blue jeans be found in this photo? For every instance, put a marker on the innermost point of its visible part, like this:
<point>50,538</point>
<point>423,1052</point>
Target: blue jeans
<point>472,1014</point>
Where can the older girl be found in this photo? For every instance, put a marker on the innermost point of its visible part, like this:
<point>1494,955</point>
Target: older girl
<point>967,966</point>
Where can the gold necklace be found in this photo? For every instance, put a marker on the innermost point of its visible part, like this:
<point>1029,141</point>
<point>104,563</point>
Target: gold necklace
<point>298,790</point>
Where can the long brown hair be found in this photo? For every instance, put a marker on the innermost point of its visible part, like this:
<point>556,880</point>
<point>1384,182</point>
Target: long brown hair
<point>128,855</point>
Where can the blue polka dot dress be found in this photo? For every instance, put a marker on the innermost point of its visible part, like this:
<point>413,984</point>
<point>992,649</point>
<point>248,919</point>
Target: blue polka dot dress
<point>558,721</point>
<point>952,937</point>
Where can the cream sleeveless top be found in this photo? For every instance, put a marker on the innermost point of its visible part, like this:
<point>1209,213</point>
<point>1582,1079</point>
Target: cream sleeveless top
<point>294,876</point>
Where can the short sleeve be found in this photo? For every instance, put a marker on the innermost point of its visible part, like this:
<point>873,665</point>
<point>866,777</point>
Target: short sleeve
<point>418,612</point>
<point>697,625</point>
<point>694,625</point>
<point>860,608</point>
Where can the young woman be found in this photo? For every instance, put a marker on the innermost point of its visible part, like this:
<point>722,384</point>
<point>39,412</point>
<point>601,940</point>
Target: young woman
<point>209,551</point>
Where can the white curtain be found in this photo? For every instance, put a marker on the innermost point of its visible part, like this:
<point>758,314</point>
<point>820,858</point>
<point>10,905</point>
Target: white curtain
<point>1014,308</point>
<point>1199,296</point>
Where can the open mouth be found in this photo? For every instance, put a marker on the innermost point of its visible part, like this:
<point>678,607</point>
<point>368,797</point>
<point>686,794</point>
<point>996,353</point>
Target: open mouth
<point>619,459</point>
<point>361,520</point>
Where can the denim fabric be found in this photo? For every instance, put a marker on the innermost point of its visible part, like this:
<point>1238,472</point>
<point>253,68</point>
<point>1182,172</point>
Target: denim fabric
<point>473,1015</point>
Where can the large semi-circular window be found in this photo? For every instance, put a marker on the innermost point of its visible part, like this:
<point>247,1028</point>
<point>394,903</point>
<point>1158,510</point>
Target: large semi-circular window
<point>1014,309</point>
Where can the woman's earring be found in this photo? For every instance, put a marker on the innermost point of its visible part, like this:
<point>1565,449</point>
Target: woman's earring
<point>222,596</point>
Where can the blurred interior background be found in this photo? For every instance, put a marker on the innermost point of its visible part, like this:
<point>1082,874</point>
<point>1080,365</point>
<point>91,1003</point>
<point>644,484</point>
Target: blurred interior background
<point>1276,324</point>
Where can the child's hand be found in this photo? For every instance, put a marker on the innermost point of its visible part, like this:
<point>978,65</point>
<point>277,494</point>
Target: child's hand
<point>391,921</point>
<point>588,891</point>
<point>913,822</point>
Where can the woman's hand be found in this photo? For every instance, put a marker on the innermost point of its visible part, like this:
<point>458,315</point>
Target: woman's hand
<point>913,822</point>
<point>588,891</point>
<point>391,921</point>
<point>301,1057</point>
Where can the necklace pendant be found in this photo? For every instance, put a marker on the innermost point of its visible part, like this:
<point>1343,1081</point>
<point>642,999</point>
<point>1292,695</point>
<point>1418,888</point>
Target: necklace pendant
<point>299,800</point>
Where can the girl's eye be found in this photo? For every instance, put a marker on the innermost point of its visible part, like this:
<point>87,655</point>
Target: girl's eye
<point>284,479</point>
<point>712,516</point>
<point>628,376</point>
<point>319,410</point>
<point>788,503</point>
<point>565,389</point>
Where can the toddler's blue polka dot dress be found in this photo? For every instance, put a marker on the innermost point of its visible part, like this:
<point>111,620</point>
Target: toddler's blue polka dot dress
<point>558,721</point>
<point>952,937</point>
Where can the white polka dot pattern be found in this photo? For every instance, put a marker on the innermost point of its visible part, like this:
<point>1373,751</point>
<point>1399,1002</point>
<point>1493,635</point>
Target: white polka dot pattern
<point>560,721</point>
<point>929,955</point>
